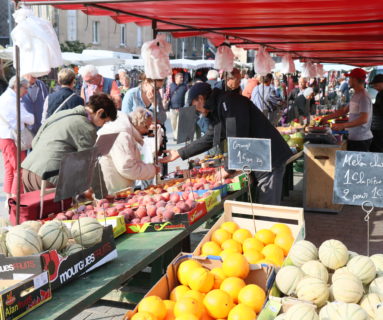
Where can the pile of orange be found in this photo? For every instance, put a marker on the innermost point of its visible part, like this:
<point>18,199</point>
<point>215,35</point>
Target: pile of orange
<point>203,294</point>
<point>266,246</point>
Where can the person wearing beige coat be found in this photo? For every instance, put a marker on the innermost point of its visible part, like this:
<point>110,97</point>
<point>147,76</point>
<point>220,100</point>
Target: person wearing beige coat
<point>123,165</point>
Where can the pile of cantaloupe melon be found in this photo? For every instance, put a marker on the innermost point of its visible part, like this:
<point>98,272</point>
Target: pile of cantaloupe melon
<point>338,284</point>
<point>33,237</point>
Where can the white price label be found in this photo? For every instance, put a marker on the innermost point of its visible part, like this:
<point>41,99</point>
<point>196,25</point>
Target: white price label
<point>40,280</point>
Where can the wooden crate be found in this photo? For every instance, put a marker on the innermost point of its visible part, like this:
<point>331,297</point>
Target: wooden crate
<point>264,217</point>
<point>318,183</point>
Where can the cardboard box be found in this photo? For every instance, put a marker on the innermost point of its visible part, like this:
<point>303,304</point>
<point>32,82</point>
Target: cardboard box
<point>117,223</point>
<point>180,221</point>
<point>239,183</point>
<point>262,276</point>
<point>264,217</point>
<point>62,270</point>
<point>212,200</point>
<point>20,296</point>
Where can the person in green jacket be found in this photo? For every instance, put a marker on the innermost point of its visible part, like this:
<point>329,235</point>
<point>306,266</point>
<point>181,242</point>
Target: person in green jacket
<point>65,132</point>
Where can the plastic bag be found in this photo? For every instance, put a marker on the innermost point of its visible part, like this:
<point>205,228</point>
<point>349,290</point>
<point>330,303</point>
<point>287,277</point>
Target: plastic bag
<point>263,63</point>
<point>288,65</point>
<point>319,70</point>
<point>155,54</point>
<point>224,58</point>
<point>309,70</point>
<point>38,43</point>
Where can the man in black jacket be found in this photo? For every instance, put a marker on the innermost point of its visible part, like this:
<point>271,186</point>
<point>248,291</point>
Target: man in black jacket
<point>177,101</point>
<point>249,123</point>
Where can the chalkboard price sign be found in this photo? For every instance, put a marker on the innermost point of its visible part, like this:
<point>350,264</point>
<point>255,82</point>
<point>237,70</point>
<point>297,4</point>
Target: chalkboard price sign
<point>358,178</point>
<point>252,153</point>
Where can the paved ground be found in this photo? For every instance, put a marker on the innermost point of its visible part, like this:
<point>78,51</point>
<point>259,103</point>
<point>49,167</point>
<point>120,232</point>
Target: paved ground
<point>347,226</point>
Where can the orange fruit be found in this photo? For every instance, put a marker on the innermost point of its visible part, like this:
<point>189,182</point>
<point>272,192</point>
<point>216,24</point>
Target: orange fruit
<point>169,304</point>
<point>265,236</point>
<point>226,253</point>
<point>274,253</point>
<point>242,312</point>
<point>210,248</point>
<point>253,256</point>
<point>229,226</point>
<point>188,306</point>
<point>241,235</point>
<point>187,317</point>
<point>218,303</point>
<point>220,236</point>
<point>232,245</point>
<point>252,244</point>
<point>153,305</point>
<point>253,296</point>
<point>232,286</point>
<point>196,295</point>
<point>178,292</point>
<point>219,276</point>
<point>184,270</point>
<point>236,266</point>
<point>205,315</point>
<point>200,279</point>
<point>278,228</point>
<point>144,316</point>
<point>284,241</point>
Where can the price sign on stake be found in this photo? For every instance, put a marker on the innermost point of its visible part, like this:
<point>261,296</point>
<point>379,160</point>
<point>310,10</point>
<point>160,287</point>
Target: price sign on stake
<point>358,178</point>
<point>359,181</point>
<point>252,153</point>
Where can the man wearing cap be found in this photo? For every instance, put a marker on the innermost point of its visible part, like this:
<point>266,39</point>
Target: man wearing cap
<point>377,115</point>
<point>360,114</point>
<point>250,122</point>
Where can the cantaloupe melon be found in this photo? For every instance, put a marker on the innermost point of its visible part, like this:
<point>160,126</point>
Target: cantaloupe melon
<point>333,254</point>
<point>35,225</point>
<point>302,311</point>
<point>87,231</point>
<point>347,287</point>
<point>362,267</point>
<point>288,278</point>
<point>71,249</point>
<point>313,290</point>
<point>370,303</point>
<point>376,286</point>
<point>3,244</point>
<point>315,269</point>
<point>303,251</point>
<point>377,259</point>
<point>342,311</point>
<point>23,242</point>
<point>54,235</point>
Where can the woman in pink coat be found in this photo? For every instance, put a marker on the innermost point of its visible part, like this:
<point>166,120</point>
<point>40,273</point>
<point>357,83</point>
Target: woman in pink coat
<point>123,165</point>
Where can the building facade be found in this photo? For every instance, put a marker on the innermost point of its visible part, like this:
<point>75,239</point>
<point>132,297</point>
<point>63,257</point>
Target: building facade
<point>6,22</point>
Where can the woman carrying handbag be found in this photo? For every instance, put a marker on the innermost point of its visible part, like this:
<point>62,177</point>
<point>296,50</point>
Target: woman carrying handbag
<point>8,133</point>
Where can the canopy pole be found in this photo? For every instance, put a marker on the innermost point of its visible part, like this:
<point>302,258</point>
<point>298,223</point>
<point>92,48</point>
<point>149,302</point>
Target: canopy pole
<point>154,29</point>
<point>18,129</point>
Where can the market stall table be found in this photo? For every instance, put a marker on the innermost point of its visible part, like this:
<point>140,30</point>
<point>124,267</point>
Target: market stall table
<point>135,252</point>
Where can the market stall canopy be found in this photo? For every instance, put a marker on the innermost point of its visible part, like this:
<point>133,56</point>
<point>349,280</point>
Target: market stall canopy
<point>79,59</point>
<point>336,31</point>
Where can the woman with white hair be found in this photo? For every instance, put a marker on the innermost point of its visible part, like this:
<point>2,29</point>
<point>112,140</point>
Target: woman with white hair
<point>8,126</point>
<point>123,165</point>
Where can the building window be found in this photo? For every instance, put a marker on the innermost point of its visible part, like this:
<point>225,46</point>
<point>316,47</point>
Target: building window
<point>122,35</point>
<point>72,25</point>
<point>96,32</point>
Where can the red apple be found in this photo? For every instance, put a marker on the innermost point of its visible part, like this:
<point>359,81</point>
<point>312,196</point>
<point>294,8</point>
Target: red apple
<point>69,214</point>
<point>89,207</point>
<point>145,219</point>
<point>160,211</point>
<point>175,197</point>
<point>191,204</point>
<point>166,196</point>
<point>141,212</point>
<point>75,216</point>
<point>168,215</point>
<point>136,220</point>
<point>156,219</point>
<point>161,203</point>
<point>61,216</point>
<point>151,210</point>
<point>112,212</point>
